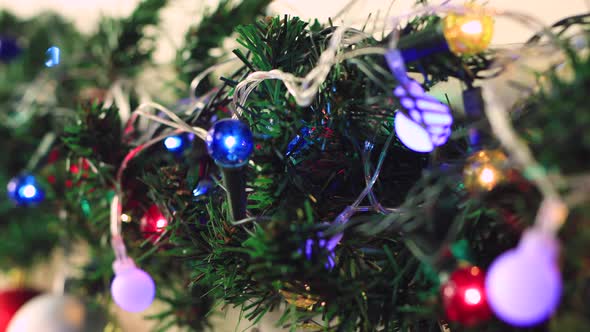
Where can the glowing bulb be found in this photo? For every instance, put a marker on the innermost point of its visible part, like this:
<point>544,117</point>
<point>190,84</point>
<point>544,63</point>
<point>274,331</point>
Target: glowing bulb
<point>52,56</point>
<point>411,134</point>
<point>28,191</point>
<point>523,285</point>
<point>173,143</point>
<point>125,218</point>
<point>470,32</point>
<point>484,170</point>
<point>472,27</point>
<point>161,223</point>
<point>487,176</point>
<point>230,142</point>
<point>133,289</point>
<point>472,296</point>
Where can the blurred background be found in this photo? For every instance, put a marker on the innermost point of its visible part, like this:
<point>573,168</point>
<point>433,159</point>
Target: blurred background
<point>180,14</point>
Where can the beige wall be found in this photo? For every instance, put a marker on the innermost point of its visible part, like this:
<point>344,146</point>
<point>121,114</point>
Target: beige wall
<point>181,13</point>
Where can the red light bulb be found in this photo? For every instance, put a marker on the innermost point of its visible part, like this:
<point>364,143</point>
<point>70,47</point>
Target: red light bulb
<point>153,223</point>
<point>464,296</point>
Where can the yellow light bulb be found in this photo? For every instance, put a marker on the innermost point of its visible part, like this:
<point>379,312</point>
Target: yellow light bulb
<point>472,28</point>
<point>487,176</point>
<point>484,170</point>
<point>470,32</point>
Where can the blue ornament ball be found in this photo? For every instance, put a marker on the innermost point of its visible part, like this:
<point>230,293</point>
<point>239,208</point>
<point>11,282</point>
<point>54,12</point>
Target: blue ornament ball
<point>9,49</point>
<point>25,190</point>
<point>230,143</point>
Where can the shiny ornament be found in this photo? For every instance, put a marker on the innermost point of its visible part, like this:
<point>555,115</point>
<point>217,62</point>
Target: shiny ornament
<point>484,170</point>
<point>470,32</point>
<point>153,223</point>
<point>10,301</point>
<point>523,285</point>
<point>9,49</point>
<point>25,190</point>
<point>464,297</point>
<point>57,313</point>
<point>230,143</point>
<point>132,289</point>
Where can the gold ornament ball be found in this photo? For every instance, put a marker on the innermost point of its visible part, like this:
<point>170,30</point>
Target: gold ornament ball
<point>484,170</point>
<point>470,32</point>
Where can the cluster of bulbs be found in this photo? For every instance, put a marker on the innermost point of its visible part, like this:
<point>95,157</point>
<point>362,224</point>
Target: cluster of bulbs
<point>426,124</point>
<point>522,286</point>
<point>230,144</point>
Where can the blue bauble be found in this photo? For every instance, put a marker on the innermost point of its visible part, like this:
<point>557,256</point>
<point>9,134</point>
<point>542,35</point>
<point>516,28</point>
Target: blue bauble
<point>25,190</point>
<point>230,143</point>
<point>8,49</point>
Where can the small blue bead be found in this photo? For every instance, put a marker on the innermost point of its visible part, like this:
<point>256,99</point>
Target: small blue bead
<point>25,190</point>
<point>230,143</point>
<point>8,49</point>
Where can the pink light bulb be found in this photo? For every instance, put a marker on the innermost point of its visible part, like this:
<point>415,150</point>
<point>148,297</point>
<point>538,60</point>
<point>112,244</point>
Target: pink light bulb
<point>523,285</point>
<point>132,289</point>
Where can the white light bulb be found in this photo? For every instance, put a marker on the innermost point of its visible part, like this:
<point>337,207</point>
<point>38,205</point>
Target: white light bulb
<point>29,191</point>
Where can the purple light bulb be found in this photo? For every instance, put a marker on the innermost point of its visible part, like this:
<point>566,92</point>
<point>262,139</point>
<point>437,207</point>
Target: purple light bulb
<point>411,134</point>
<point>133,289</point>
<point>523,285</point>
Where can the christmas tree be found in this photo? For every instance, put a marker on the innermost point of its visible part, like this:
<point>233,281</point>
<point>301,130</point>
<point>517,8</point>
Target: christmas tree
<point>325,175</point>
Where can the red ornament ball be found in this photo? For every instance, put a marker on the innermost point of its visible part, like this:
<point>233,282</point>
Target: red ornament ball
<point>153,223</point>
<point>464,296</point>
<point>10,301</point>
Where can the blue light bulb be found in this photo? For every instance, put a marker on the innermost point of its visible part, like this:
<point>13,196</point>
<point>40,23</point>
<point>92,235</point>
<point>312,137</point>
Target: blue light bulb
<point>25,190</point>
<point>52,56</point>
<point>202,188</point>
<point>174,143</point>
<point>230,143</point>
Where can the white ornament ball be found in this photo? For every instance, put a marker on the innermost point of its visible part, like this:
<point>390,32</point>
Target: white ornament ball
<point>57,313</point>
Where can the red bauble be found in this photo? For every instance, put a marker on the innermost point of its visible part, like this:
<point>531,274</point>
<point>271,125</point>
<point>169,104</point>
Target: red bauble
<point>10,301</point>
<point>464,296</point>
<point>153,223</point>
